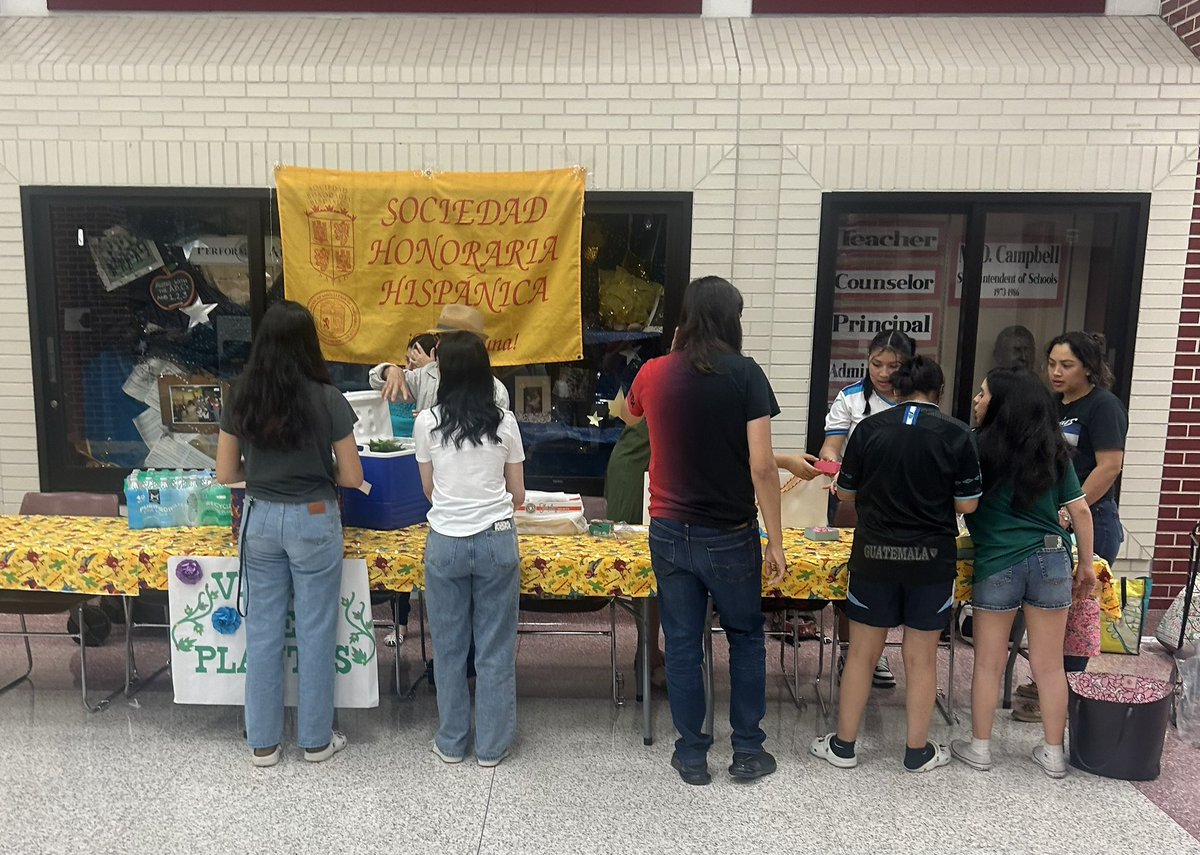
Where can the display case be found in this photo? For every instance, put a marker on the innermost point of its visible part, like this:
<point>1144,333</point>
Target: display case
<point>635,256</point>
<point>141,312</point>
<point>134,288</point>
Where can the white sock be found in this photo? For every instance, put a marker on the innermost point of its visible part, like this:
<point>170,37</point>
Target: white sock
<point>1054,752</point>
<point>983,746</point>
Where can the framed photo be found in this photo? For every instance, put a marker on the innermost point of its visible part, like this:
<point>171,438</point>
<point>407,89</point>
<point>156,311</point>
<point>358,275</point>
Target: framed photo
<point>655,322</point>
<point>191,404</point>
<point>573,384</point>
<point>532,402</point>
<point>122,257</point>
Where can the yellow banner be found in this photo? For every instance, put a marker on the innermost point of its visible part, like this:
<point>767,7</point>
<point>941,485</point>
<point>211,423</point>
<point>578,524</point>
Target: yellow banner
<point>376,256</point>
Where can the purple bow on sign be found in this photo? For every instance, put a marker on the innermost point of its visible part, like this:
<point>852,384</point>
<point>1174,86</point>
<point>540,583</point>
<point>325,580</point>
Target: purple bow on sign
<point>188,571</point>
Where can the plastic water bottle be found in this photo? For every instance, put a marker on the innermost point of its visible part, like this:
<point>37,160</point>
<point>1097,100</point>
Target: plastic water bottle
<point>177,498</point>
<point>135,500</point>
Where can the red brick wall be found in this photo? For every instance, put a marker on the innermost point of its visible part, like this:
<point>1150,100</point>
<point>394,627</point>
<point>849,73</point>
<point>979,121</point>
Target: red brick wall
<point>1183,16</point>
<point>1179,507</point>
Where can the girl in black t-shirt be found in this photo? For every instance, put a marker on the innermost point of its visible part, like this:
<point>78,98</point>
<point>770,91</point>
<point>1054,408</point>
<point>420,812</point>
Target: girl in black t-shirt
<point>908,469</point>
<point>1094,424</point>
<point>285,419</point>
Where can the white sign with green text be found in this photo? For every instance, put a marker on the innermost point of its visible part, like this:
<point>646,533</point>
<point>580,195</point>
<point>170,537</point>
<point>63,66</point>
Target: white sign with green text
<point>208,637</point>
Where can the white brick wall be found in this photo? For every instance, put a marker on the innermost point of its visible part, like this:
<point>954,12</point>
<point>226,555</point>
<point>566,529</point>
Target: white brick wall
<point>756,117</point>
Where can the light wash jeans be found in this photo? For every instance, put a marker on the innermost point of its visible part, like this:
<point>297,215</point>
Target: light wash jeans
<point>291,552</point>
<point>473,585</point>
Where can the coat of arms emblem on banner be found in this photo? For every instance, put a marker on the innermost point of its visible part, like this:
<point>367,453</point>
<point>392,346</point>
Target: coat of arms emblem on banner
<point>330,232</point>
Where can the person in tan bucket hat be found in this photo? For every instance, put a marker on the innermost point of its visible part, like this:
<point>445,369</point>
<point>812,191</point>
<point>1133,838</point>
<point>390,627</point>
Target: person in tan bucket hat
<point>420,385</point>
<point>457,317</point>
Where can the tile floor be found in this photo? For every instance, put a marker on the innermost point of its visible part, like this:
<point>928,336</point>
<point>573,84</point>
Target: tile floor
<point>147,776</point>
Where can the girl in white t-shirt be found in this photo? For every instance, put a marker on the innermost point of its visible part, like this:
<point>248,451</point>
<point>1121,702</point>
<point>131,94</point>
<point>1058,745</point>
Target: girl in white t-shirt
<point>470,456</point>
<point>872,394</point>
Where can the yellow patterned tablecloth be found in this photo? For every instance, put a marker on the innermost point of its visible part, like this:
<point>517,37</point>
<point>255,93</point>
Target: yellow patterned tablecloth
<point>102,555</point>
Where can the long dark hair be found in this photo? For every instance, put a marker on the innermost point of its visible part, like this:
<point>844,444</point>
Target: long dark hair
<point>898,343</point>
<point>270,408</point>
<point>1089,350</point>
<point>918,375</point>
<point>466,392</point>
<point>710,322</point>
<point>1020,440</point>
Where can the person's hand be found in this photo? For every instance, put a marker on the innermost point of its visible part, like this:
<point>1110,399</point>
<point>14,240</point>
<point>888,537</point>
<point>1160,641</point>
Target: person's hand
<point>417,357</point>
<point>1064,519</point>
<point>833,487</point>
<point>394,387</point>
<point>801,465</point>
<point>776,564</point>
<point>1085,579</point>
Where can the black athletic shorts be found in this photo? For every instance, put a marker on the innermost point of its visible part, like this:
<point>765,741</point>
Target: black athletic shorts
<point>894,602</point>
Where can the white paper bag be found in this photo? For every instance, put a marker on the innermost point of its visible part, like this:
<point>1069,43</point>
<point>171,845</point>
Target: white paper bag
<point>803,504</point>
<point>209,666</point>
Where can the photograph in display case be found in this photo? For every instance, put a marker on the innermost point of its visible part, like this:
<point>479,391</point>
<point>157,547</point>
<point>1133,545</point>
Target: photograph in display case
<point>532,402</point>
<point>191,404</point>
<point>122,257</point>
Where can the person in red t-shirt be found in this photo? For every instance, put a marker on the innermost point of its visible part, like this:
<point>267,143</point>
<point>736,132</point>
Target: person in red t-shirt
<point>709,412</point>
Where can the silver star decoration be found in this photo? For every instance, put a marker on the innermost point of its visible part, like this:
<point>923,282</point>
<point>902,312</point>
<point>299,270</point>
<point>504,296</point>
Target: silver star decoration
<point>630,353</point>
<point>198,313</point>
<point>594,419</point>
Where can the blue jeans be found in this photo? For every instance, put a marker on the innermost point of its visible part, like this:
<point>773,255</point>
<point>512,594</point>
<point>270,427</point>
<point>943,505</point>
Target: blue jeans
<point>473,585</point>
<point>691,562</point>
<point>291,553</point>
<point>1107,537</point>
<point>1106,530</point>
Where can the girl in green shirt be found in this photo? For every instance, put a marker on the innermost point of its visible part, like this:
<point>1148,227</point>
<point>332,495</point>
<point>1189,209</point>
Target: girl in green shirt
<point>1021,557</point>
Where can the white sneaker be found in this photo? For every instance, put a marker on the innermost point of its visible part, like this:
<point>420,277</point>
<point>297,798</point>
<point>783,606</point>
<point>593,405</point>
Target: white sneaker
<point>883,677</point>
<point>488,764</point>
<point>337,741</point>
<point>394,638</point>
<point>965,750</point>
<point>1054,766</point>
<point>941,757</point>
<point>822,747</point>
<point>265,760</point>
<point>445,758</point>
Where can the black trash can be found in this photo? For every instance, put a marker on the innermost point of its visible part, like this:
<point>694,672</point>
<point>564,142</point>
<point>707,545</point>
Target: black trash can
<point>1118,723</point>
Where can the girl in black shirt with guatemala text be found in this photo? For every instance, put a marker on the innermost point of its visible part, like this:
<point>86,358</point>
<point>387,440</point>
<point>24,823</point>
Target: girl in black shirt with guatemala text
<point>908,469</point>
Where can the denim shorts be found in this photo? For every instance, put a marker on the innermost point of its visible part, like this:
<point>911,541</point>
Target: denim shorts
<point>1043,580</point>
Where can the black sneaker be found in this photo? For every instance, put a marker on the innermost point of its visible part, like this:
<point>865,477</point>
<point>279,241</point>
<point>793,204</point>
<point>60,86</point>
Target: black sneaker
<point>697,776</point>
<point>748,765</point>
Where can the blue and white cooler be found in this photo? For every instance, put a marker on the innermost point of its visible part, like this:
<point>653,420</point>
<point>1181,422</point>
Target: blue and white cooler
<point>396,499</point>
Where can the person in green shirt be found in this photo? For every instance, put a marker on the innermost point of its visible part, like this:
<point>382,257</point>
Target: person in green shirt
<point>1021,557</point>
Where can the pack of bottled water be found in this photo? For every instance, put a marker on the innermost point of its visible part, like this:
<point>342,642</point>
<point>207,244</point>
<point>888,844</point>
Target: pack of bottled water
<point>166,498</point>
